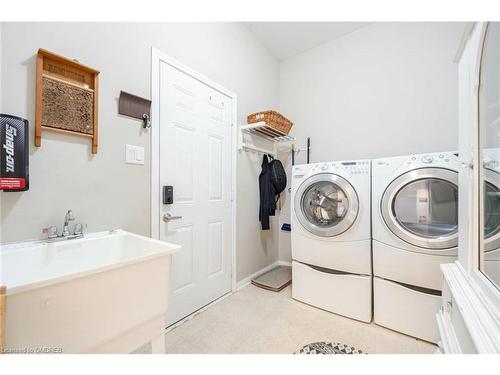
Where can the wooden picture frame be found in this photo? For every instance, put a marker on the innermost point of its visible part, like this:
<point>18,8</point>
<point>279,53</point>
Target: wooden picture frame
<point>67,97</point>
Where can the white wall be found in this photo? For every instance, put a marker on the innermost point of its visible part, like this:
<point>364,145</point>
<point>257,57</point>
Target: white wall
<point>384,90</point>
<point>102,190</point>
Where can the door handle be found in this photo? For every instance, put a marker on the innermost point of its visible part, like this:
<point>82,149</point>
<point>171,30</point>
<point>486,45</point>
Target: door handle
<point>168,217</point>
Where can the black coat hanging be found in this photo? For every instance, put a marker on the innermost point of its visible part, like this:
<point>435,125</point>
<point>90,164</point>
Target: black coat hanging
<point>267,195</point>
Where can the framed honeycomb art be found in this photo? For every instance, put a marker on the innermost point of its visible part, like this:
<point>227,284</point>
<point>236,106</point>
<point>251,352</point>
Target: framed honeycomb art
<point>66,97</point>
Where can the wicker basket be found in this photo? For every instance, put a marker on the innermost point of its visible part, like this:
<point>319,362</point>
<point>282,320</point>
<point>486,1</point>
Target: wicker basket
<point>273,119</point>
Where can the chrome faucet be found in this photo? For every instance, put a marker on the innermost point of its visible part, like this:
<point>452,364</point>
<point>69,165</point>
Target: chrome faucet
<point>51,231</point>
<point>67,218</point>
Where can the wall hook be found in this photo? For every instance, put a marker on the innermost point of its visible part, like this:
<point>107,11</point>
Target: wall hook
<point>146,121</point>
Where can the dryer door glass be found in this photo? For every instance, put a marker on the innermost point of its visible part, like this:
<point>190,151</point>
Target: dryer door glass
<point>325,204</point>
<point>421,208</point>
<point>428,208</point>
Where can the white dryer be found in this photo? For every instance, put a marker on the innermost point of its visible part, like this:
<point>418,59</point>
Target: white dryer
<point>415,230</point>
<point>331,239</point>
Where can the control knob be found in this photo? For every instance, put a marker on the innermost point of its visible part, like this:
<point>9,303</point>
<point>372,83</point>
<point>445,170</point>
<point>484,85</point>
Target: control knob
<point>427,159</point>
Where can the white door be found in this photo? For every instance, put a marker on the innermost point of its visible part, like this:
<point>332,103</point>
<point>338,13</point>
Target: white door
<point>195,158</point>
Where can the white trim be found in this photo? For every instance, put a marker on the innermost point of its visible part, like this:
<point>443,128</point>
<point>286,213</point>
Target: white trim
<point>155,135</point>
<point>468,295</point>
<point>284,263</point>
<point>158,56</point>
<point>476,192</point>
<point>469,26</point>
<point>449,342</point>
<point>244,282</point>
<point>234,161</point>
<point>487,292</point>
<point>485,289</point>
<point>477,313</point>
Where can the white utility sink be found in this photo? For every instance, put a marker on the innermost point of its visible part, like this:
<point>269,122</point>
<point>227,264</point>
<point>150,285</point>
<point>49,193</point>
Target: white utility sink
<point>104,293</point>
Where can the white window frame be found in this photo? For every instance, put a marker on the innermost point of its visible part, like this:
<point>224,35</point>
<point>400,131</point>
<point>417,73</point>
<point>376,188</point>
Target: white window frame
<point>467,291</point>
<point>485,288</point>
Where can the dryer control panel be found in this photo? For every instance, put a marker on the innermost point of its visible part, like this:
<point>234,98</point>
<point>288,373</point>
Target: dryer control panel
<point>435,158</point>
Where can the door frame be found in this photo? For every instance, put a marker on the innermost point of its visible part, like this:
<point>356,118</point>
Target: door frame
<point>157,57</point>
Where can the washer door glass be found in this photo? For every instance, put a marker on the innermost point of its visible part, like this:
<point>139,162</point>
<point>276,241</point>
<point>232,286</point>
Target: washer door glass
<point>326,204</point>
<point>428,208</point>
<point>421,208</point>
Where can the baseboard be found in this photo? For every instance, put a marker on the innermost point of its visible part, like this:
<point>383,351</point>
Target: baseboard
<point>284,263</point>
<point>244,282</point>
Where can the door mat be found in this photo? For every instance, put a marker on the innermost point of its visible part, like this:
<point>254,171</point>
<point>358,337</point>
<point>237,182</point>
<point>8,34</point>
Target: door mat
<point>328,348</point>
<point>274,280</point>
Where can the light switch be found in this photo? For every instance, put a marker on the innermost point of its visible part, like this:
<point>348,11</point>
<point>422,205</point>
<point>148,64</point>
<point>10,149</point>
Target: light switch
<point>134,154</point>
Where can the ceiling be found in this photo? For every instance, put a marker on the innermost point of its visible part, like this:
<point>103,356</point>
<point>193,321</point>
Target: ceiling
<point>286,39</point>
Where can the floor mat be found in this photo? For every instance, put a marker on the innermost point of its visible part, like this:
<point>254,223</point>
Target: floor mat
<point>275,280</point>
<point>328,348</point>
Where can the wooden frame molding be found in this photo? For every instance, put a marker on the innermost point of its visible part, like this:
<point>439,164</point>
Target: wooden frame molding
<point>68,73</point>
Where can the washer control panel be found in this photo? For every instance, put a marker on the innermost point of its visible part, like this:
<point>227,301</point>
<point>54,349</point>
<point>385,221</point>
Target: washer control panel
<point>356,167</point>
<point>351,167</point>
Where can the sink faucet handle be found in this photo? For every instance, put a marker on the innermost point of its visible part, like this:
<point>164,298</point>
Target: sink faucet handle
<point>51,231</point>
<point>67,218</point>
<point>70,216</point>
<point>79,228</point>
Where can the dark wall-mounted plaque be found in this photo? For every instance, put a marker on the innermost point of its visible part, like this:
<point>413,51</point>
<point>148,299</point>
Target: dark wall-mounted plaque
<point>135,106</point>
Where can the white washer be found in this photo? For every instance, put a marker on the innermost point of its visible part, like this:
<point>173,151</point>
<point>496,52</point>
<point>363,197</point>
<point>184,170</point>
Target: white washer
<point>331,240</point>
<point>415,230</point>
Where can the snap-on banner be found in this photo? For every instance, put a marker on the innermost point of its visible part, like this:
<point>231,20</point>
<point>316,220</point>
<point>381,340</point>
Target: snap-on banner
<point>14,154</point>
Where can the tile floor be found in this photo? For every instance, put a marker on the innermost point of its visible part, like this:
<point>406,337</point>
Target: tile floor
<point>254,320</point>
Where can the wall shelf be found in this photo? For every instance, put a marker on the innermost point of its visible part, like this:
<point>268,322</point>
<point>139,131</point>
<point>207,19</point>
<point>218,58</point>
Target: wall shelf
<point>264,131</point>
